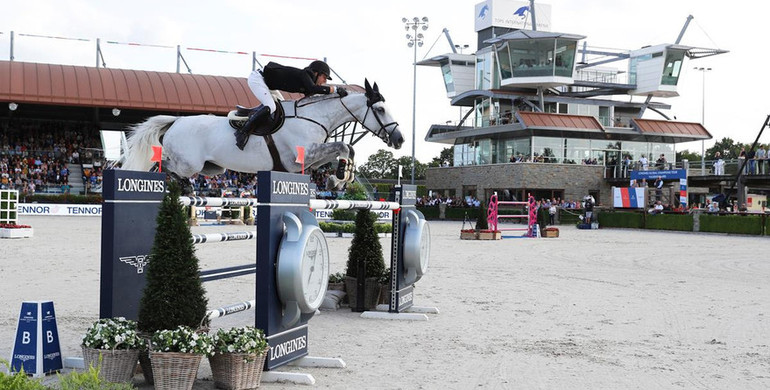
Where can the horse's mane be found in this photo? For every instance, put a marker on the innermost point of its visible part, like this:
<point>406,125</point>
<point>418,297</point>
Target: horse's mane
<point>304,101</point>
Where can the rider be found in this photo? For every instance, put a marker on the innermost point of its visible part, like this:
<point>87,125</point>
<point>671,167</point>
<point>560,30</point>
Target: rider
<point>309,81</point>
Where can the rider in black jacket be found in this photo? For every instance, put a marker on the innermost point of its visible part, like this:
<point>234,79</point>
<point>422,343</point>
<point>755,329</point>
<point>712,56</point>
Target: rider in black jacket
<point>308,81</point>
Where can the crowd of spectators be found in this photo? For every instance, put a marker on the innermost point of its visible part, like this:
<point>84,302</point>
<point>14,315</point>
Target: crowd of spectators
<point>34,156</point>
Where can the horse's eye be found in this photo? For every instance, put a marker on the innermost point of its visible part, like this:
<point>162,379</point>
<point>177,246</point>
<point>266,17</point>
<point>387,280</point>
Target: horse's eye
<point>380,110</point>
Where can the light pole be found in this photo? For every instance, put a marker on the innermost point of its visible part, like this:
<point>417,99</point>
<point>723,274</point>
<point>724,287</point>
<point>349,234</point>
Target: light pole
<point>461,47</point>
<point>414,41</point>
<point>703,118</point>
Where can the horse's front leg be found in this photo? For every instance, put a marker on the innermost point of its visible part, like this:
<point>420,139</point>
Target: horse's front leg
<point>320,154</point>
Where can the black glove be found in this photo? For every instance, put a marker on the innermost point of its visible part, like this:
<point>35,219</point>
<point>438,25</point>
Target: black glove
<point>342,92</point>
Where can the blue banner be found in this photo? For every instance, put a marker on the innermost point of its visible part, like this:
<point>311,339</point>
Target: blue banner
<point>669,174</point>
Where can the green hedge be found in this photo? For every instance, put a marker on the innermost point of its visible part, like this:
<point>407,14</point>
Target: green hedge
<point>678,222</point>
<point>571,217</point>
<point>621,219</point>
<point>452,213</point>
<point>335,227</point>
<point>737,224</point>
<point>61,198</point>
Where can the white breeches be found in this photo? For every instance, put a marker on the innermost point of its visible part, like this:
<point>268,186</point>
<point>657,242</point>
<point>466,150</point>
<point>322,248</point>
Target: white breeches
<point>260,90</point>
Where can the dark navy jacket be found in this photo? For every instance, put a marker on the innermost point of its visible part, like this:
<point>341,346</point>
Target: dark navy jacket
<point>290,79</point>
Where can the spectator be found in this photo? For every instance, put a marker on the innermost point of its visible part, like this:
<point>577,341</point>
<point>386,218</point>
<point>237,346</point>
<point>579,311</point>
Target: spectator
<point>644,163</point>
<point>552,213</point>
<point>742,160</point>
<point>719,164</point>
<point>761,160</point>
<point>657,208</point>
<point>660,163</point>
<point>658,188</point>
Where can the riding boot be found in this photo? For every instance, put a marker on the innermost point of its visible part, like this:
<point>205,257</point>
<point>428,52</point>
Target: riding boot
<point>242,134</point>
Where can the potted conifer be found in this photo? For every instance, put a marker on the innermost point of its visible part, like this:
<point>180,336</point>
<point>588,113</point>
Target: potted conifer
<point>364,249</point>
<point>174,294</point>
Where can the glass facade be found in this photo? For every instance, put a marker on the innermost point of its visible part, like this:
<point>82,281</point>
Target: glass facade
<point>446,71</point>
<point>536,58</point>
<point>559,150</point>
<point>673,66</point>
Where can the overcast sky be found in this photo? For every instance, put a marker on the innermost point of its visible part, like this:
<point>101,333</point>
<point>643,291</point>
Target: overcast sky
<point>362,38</point>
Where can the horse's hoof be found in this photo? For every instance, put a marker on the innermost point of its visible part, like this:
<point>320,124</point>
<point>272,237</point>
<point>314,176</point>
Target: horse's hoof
<point>341,169</point>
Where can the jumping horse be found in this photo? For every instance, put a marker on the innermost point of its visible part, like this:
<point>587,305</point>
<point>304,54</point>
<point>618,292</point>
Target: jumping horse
<point>206,144</point>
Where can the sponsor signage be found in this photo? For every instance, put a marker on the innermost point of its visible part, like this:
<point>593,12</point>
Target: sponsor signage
<point>511,14</point>
<point>36,346</point>
<point>382,215</point>
<point>683,192</point>
<point>628,197</point>
<point>287,346</point>
<point>284,188</point>
<point>133,185</point>
<point>405,298</point>
<point>79,210</point>
<point>668,174</point>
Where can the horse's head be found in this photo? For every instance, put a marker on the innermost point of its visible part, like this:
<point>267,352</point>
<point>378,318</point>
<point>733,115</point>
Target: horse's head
<point>380,122</point>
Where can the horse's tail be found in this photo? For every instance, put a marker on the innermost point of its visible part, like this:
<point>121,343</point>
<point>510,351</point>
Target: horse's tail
<point>143,136</point>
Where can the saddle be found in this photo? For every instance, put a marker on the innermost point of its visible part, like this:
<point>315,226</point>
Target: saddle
<point>274,121</point>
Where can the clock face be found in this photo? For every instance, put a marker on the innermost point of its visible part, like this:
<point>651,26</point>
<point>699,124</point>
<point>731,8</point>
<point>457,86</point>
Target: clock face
<point>315,268</point>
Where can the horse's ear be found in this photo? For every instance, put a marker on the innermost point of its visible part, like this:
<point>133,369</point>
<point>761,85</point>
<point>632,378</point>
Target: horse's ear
<point>376,88</point>
<point>368,87</point>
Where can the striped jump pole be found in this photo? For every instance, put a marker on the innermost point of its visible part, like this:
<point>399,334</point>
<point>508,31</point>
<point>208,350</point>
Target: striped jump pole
<point>231,309</point>
<point>222,237</point>
<point>323,204</point>
<point>200,201</point>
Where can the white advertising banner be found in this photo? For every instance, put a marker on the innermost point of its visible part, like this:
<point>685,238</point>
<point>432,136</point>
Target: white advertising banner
<point>511,14</point>
<point>80,210</point>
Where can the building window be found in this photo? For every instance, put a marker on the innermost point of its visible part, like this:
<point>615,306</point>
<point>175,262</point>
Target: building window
<point>673,67</point>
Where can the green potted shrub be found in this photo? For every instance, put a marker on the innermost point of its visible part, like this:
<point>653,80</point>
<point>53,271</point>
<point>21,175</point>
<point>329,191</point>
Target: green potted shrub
<point>365,248</point>
<point>238,357</point>
<point>174,294</point>
<point>113,345</point>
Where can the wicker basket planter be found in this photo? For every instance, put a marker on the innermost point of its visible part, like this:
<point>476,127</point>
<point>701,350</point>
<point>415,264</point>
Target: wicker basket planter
<point>237,371</point>
<point>371,292</point>
<point>174,370</point>
<point>117,365</point>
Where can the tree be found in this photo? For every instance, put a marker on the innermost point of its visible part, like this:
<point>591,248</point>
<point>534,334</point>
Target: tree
<point>378,166</point>
<point>447,154</point>
<point>727,147</point>
<point>174,293</point>
<point>365,246</point>
<point>406,163</point>
<point>687,155</point>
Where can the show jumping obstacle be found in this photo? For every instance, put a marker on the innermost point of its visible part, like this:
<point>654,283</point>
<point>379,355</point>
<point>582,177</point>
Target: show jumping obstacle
<point>530,208</point>
<point>131,201</point>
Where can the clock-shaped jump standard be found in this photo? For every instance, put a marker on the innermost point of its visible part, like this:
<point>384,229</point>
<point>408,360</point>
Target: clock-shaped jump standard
<point>302,272</point>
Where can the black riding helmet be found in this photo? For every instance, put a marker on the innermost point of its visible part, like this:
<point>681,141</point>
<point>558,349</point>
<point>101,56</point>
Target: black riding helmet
<point>320,67</point>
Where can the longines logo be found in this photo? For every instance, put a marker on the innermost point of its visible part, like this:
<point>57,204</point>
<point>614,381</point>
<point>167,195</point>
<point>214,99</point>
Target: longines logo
<point>140,185</point>
<point>137,261</point>
<point>290,188</point>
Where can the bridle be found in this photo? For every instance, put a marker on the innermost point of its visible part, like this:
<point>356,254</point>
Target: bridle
<point>382,132</point>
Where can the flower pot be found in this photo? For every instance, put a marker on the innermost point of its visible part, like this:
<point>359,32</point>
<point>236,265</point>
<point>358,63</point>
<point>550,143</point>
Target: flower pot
<point>371,292</point>
<point>490,235</point>
<point>117,365</point>
<point>336,286</point>
<point>237,371</point>
<point>174,370</point>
